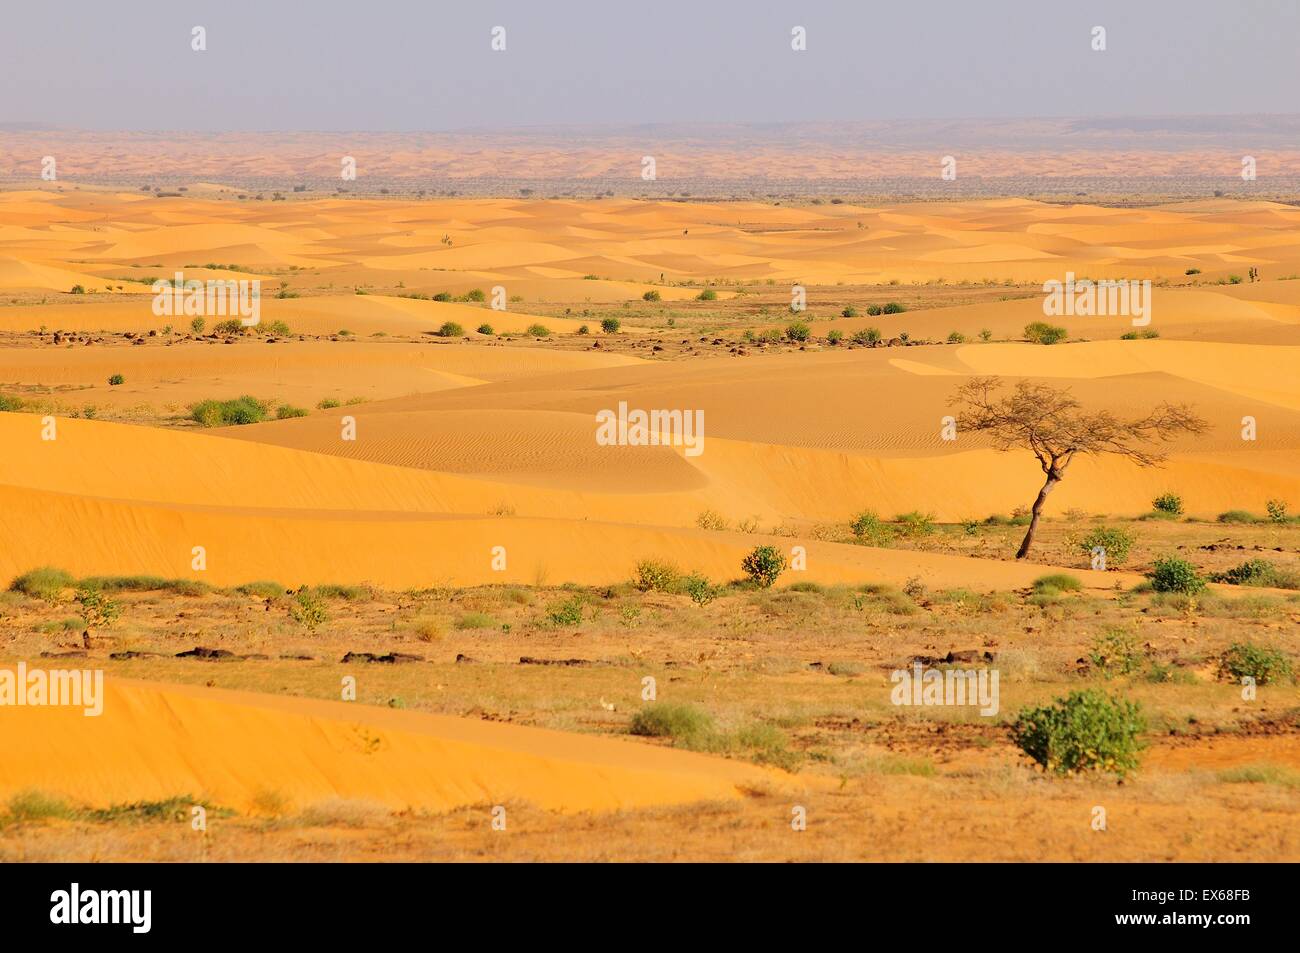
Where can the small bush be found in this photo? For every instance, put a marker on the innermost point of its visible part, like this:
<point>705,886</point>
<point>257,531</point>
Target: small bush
<point>1085,731</point>
<point>956,337</point>
<point>682,723</point>
<point>834,337</point>
<point>1116,652</point>
<point>610,325</point>
<point>262,589</point>
<point>98,610</point>
<point>328,403</point>
<point>567,611</point>
<point>225,413</point>
<point>539,331</point>
<point>46,583</point>
<point>763,565</point>
<point>798,331</point>
<point>309,610</point>
<point>285,411</point>
<point>197,325</point>
<point>1040,332</point>
<point>701,591</point>
<point>450,329</point>
<point>915,524</point>
<point>1259,572</point>
<point>115,380</point>
<point>650,296</point>
<point>1262,663</point>
<point>710,519</point>
<point>475,294</point>
<point>869,528</point>
<point>10,404</point>
<point>654,575</point>
<point>1056,583</point>
<point>1277,511</point>
<point>1171,574</point>
<point>1170,503</point>
<point>708,294</point>
<point>485,329</point>
<point>850,312</point>
<point>893,307</point>
<point>1116,541</point>
<point>1237,516</point>
<point>476,620</point>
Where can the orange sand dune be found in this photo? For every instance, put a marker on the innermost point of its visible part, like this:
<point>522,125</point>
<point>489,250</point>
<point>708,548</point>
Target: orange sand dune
<point>238,749</point>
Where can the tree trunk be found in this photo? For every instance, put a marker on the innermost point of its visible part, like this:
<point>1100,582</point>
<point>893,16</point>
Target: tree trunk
<point>1053,478</point>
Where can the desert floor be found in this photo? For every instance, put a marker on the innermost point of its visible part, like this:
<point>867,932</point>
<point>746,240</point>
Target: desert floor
<point>480,544</point>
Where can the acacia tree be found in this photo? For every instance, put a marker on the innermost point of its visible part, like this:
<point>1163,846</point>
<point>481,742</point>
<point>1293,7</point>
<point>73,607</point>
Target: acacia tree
<point>1049,422</point>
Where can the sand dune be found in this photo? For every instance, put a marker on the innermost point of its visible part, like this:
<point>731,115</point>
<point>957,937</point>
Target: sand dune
<point>302,752</point>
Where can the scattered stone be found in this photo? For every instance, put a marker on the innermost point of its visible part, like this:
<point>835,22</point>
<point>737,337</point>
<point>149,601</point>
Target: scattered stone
<point>392,658</point>
<point>210,655</point>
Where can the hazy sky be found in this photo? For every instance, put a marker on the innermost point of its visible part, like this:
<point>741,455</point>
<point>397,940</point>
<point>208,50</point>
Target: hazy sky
<point>427,64</point>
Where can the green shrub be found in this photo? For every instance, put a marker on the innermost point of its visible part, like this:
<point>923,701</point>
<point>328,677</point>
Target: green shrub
<point>1116,652</point>
<point>567,611</point>
<point>1116,541</point>
<point>46,583</point>
<point>1172,574</point>
<point>10,404</point>
<point>763,565</point>
<point>225,413</point>
<point>279,329</point>
<point>850,312</point>
<point>115,380</point>
<point>327,403</point>
<point>869,528</point>
<point>309,610</point>
<point>97,609</point>
<point>1277,511</point>
<point>866,336</point>
<point>956,337</point>
<point>610,325</point>
<point>708,294</point>
<point>485,329</point>
<point>539,331</point>
<point>1170,503</point>
<point>1040,332</point>
<point>475,294</point>
<point>1237,516</point>
<point>1262,663</point>
<point>701,591</point>
<point>654,575</point>
<point>285,411</point>
<point>450,329</point>
<point>476,620</point>
<point>915,524</point>
<point>650,296</point>
<point>834,337</point>
<point>683,723</point>
<point>893,307</point>
<point>197,325</point>
<point>229,326</point>
<point>1085,731</point>
<point>263,589</point>
<point>798,331</point>
<point>1056,583</point>
<point>1259,572</point>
